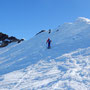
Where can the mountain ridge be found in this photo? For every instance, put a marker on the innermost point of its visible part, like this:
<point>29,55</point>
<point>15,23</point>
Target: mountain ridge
<point>65,64</point>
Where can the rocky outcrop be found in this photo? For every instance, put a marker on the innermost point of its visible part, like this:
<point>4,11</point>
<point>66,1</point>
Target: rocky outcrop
<point>41,32</point>
<point>5,39</point>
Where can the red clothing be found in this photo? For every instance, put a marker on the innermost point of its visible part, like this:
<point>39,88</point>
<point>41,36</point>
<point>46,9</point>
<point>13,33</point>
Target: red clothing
<point>48,40</point>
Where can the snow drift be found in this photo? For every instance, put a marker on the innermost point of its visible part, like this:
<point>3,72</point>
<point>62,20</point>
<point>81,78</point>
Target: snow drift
<point>66,66</point>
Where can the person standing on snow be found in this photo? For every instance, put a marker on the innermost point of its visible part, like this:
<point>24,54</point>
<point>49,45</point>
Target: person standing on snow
<point>49,42</point>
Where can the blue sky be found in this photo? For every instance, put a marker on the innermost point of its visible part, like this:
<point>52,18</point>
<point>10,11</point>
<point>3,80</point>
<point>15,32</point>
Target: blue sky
<point>24,18</point>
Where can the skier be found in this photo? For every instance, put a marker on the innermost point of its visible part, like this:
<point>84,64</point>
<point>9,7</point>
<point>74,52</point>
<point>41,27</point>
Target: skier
<point>49,42</point>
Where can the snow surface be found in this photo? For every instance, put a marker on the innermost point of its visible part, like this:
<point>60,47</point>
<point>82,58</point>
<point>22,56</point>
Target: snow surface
<point>66,66</point>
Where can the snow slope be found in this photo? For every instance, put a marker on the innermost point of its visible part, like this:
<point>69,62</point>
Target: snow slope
<point>66,66</point>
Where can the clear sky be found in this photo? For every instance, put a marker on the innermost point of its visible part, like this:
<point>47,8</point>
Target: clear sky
<point>24,18</point>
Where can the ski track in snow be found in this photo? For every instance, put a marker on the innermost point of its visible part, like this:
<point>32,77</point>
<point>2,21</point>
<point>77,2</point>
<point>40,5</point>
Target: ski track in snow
<point>68,72</point>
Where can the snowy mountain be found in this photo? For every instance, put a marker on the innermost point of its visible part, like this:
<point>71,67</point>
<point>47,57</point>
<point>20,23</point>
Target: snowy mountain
<point>66,66</point>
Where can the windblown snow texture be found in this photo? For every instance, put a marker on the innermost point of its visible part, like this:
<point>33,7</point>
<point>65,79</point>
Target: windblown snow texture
<point>66,66</point>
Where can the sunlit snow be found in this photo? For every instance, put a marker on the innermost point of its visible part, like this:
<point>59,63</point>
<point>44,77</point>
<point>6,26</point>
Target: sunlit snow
<point>66,66</point>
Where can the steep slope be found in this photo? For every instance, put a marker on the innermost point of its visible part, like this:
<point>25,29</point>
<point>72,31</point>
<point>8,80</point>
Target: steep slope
<point>65,66</point>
